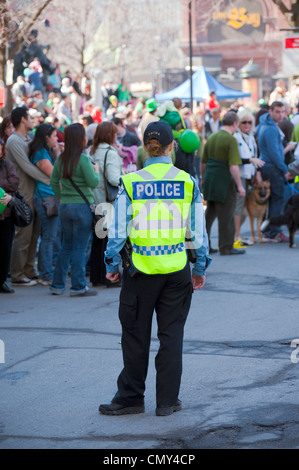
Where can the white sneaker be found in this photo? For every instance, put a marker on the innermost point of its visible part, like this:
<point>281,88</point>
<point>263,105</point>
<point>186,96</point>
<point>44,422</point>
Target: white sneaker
<point>270,240</point>
<point>26,282</point>
<point>246,241</point>
<point>43,282</point>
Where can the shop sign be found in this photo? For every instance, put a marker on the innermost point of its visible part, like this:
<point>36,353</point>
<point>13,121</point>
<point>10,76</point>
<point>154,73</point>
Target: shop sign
<point>238,17</point>
<point>292,43</point>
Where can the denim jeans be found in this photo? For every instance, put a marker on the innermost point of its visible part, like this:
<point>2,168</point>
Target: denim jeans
<point>277,198</point>
<point>48,233</point>
<point>76,221</point>
<point>58,241</point>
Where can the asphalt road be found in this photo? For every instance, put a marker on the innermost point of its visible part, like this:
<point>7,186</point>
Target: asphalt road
<point>240,381</point>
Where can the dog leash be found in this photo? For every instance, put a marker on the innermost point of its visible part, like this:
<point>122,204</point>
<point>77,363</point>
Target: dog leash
<point>292,187</point>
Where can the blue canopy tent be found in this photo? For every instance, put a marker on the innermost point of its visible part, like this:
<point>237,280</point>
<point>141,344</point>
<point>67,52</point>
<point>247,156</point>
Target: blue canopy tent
<point>202,84</point>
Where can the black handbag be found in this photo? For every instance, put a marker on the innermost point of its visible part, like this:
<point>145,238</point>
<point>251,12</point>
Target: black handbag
<point>111,191</point>
<point>21,212</point>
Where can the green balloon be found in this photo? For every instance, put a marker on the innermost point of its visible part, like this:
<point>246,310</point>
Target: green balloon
<point>189,141</point>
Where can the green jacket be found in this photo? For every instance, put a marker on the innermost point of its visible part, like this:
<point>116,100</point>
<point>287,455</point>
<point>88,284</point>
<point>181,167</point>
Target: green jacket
<point>84,177</point>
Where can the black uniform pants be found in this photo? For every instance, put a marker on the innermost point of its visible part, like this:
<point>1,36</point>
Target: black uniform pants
<point>170,296</point>
<point>97,265</point>
<point>7,229</point>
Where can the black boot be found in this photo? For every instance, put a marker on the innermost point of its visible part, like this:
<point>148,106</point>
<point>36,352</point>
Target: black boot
<point>5,289</point>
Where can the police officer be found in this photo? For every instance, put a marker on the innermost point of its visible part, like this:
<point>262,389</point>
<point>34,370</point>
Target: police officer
<point>158,203</point>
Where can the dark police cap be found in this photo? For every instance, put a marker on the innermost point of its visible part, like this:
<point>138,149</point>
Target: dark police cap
<point>160,131</point>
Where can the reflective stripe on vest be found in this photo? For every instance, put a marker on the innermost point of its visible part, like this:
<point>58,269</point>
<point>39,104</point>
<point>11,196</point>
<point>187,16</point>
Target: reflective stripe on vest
<point>161,198</point>
<point>158,250</point>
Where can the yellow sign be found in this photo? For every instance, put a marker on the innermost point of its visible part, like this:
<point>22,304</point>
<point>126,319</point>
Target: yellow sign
<point>238,17</point>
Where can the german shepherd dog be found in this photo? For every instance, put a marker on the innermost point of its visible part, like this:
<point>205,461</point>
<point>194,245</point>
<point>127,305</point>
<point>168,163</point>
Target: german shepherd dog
<point>290,218</point>
<point>256,203</point>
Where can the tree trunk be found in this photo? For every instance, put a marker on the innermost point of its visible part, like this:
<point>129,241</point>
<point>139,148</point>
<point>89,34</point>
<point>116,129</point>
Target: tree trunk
<point>2,73</point>
<point>12,51</point>
<point>9,100</point>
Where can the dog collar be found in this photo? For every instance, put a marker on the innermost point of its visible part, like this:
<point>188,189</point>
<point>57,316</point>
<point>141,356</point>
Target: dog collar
<point>261,203</point>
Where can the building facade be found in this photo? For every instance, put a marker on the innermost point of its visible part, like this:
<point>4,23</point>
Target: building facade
<point>235,31</point>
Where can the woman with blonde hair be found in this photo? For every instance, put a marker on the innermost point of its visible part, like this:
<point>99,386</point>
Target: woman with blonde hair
<point>250,164</point>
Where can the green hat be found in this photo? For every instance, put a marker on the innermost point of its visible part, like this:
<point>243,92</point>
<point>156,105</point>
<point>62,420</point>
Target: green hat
<point>151,105</point>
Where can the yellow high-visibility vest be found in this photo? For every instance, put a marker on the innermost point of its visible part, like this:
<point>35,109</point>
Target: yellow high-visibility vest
<point>161,196</point>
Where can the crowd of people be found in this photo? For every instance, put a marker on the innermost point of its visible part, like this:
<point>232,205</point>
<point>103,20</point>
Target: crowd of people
<point>66,156</point>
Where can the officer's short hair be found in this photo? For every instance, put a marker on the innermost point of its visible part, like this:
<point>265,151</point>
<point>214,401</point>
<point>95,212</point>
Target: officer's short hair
<point>155,149</point>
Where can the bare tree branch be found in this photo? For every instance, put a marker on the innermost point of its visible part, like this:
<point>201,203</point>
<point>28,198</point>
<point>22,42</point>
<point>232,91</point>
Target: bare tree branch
<point>27,28</point>
<point>281,6</point>
<point>292,14</point>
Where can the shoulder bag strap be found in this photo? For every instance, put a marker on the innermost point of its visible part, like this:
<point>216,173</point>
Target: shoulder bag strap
<point>104,175</point>
<point>81,194</point>
<point>105,159</point>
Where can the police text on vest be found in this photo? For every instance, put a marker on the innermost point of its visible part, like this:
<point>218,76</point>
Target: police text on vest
<point>158,190</point>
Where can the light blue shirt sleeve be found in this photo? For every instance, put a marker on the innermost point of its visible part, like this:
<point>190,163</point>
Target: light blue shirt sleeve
<point>198,233</point>
<point>118,231</point>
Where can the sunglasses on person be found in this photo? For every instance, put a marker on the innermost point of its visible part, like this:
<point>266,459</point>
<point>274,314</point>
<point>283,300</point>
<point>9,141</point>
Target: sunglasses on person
<point>246,122</point>
<point>50,129</point>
